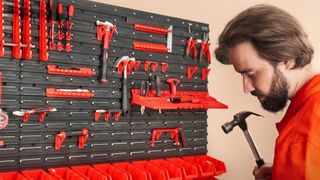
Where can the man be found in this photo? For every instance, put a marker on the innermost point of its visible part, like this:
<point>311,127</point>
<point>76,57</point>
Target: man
<point>269,48</point>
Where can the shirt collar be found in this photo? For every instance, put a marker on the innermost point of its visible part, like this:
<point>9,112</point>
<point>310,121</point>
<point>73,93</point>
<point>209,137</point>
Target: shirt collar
<point>308,89</point>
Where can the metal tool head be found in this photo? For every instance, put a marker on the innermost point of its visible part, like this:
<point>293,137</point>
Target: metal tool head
<point>239,119</point>
<point>105,23</point>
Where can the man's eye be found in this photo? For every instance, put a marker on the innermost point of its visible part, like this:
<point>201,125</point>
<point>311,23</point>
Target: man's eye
<point>251,75</point>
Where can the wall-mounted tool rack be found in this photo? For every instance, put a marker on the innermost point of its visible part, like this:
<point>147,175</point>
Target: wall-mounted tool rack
<point>87,83</point>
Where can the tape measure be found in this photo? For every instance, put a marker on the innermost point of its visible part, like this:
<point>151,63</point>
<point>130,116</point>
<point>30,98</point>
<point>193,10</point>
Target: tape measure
<point>4,119</point>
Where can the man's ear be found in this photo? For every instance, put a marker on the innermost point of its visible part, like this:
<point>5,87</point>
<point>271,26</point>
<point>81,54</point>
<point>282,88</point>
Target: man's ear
<point>289,64</point>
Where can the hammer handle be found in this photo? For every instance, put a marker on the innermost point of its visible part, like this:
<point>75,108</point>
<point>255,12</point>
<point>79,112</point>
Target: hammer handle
<point>104,68</point>
<point>125,96</point>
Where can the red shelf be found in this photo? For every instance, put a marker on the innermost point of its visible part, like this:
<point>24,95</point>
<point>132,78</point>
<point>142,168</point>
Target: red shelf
<point>163,102</point>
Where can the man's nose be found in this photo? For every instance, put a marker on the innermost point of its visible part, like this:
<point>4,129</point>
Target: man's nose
<point>247,85</point>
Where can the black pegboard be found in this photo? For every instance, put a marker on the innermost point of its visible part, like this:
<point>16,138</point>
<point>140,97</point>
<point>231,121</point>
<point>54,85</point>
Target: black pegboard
<point>31,144</point>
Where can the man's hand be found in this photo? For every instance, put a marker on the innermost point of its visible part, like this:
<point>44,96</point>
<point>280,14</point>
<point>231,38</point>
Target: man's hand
<point>263,173</point>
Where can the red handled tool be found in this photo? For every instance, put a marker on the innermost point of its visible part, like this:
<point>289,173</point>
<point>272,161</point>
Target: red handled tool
<point>41,111</point>
<point>105,31</point>
<point>173,85</point>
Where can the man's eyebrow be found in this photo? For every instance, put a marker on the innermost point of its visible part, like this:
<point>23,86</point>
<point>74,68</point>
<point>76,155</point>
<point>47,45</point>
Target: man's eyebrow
<point>244,71</point>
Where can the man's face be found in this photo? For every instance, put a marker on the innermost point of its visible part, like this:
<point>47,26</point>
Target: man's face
<point>260,78</point>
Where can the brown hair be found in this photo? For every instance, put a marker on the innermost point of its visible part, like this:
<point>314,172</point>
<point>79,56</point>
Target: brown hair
<point>276,35</point>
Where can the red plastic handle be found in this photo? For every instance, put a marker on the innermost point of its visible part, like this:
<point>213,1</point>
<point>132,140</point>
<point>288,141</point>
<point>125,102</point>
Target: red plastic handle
<point>173,85</point>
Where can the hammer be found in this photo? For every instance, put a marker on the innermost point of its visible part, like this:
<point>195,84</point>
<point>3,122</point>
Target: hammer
<point>239,119</point>
<point>123,63</point>
<point>105,32</point>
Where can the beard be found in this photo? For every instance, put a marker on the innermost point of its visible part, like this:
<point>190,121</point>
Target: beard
<point>277,99</point>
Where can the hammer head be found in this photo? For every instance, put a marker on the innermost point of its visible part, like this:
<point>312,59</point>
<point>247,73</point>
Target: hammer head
<point>105,23</point>
<point>122,64</point>
<point>239,119</point>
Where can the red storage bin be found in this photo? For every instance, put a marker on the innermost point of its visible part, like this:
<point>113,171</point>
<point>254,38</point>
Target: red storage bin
<point>12,176</point>
<point>188,170</point>
<point>88,172</point>
<point>64,173</point>
<point>207,166</point>
<point>136,173</point>
<point>37,174</point>
<point>156,172</point>
<point>173,172</point>
<point>115,172</point>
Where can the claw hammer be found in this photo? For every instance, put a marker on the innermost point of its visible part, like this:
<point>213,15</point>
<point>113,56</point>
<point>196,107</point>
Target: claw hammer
<point>105,31</point>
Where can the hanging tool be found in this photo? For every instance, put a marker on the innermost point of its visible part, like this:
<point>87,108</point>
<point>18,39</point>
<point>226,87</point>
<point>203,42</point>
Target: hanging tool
<point>52,22</point>
<point>191,48</point>
<point>16,32</point>
<point>239,119</point>
<point>43,49</point>
<point>105,31</point>
<point>73,71</point>
<point>4,119</point>
<point>205,48</point>
<point>146,85</point>
<point>41,111</point>
<point>70,15</point>
<point>26,37</point>
<point>122,63</point>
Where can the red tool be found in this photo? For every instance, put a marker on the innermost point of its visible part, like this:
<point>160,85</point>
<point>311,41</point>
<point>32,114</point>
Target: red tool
<point>69,93</point>
<point>164,67</point>
<point>83,137</point>
<point>1,30</point>
<point>4,119</point>
<point>105,31</point>
<point>59,12</point>
<point>52,23</point>
<point>151,29</point>
<point>107,114</point>
<point>191,71</point>
<point>173,85</point>
<point>70,15</point>
<point>73,71</point>
<point>191,47</point>
<point>150,47</point>
<point>43,49</point>
<point>16,33</point>
<point>174,134</point>
<point>41,111</point>
<point>205,73</point>
<point>26,51</point>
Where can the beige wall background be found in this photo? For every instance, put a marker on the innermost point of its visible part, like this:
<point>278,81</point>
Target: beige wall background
<point>225,84</point>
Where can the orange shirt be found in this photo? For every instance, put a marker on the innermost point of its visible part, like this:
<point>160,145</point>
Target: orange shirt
<point>297,148</point>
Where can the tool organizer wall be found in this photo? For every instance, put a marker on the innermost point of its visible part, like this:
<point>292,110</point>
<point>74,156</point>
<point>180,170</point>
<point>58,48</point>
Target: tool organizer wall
<point>29,143</point>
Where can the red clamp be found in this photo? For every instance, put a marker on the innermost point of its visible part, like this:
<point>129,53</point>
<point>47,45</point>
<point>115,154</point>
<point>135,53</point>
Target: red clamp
<point>205,47</point>
<point>41,111</point>
<point>16,33</point>
<point>73,71</point>
<point>191,71</point>
<point>82,139</point>
<point>173,85</point>
<point>150,29</point>
<point>107,114</point>
<point>150,47</point>
<point>205,73</point>
<point>174,134</point>
<point>1,31</point>
<point>43,50</point>
<point>164,67</point>
<point>26,51</point>
<point>191,47</point>
<point>69,93</point>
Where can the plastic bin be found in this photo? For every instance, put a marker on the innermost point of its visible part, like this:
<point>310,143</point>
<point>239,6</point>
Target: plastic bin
<point>37,174</point>
<point>115,172</point>
<point>12,176</point>
<point>88,172</point>
<point>156,172</point>
<point>64,173</point>
<point>219,166</point>
<point>188,170</point>
<point>173,172</point>
<point>136,173</point>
